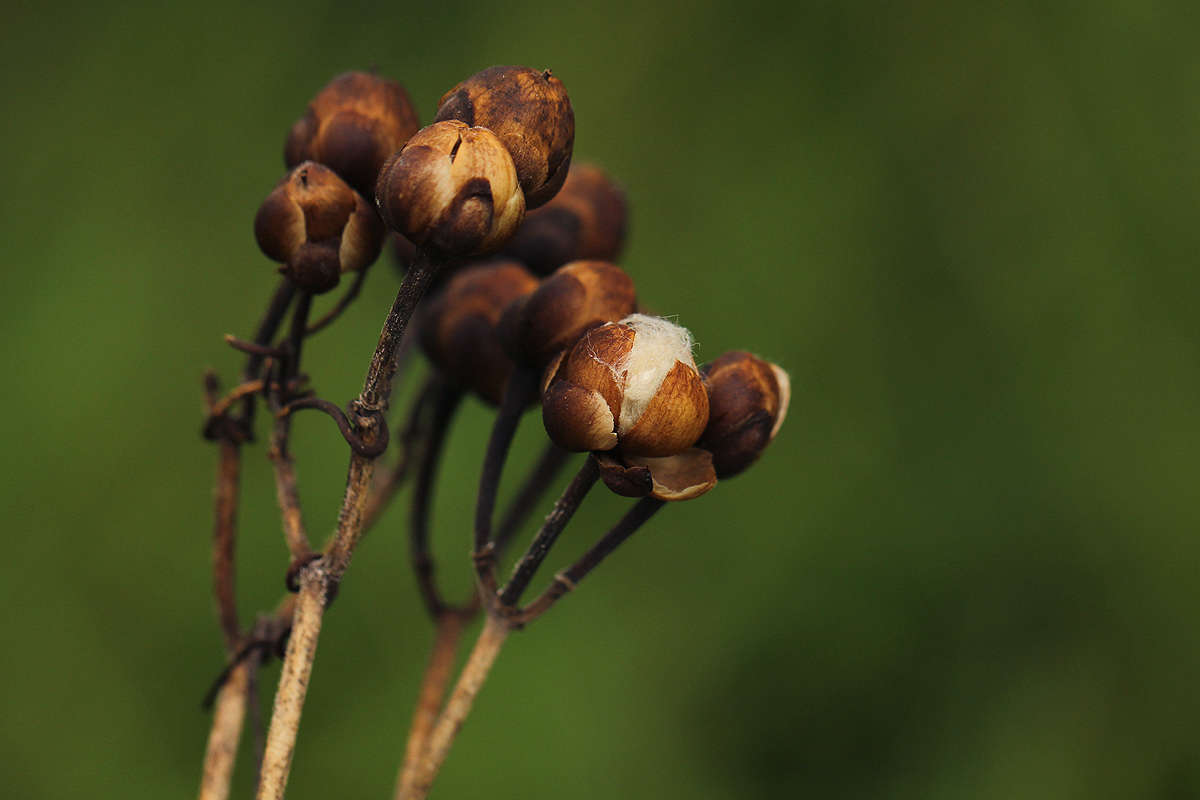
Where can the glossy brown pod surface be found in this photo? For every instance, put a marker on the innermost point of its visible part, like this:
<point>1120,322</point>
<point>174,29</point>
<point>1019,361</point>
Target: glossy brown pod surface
<point>586,220</point>
<point>352,126</point>
<point>748,400</point>
<point>452,189</point>
<point>317,227</point>
<point>530,112</point>
<point>458,327</point>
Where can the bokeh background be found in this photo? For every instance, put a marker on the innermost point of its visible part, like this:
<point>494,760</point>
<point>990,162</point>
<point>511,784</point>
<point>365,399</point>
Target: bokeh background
<point>966,568</point>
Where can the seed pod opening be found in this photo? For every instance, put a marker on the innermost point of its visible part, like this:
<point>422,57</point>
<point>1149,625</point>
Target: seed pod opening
<point>317,227</point>
<point>458,327</point>
<point>576,298</point>
<point>585,220</point>
<point>531,113</point>
<point>352,126</point>
<point>633,385</point>
<point>748,400</point>
<point>683,476</point>
<point>452,189</point>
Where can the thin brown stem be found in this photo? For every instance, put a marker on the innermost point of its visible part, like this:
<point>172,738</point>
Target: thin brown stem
<point>520,390</point>
<point>342,304</point>
<point>564,509</point>
<point>388,481</point>
<point>544,472</point>
<point>470,681</point>
<point>225,505</point>
<point>293,682</point>
<point>287,494</point>
<point>445,405</point>
<point>566,580</point>
<point>221,751</point>
<point>320,579</point>
<point>263,335</point>
<point>450,625</point>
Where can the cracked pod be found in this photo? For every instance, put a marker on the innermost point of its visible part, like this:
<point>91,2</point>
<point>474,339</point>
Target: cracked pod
<point>317,227</point>
<point>452,189</point>
<point>352,126</point>
<point>530,112</point>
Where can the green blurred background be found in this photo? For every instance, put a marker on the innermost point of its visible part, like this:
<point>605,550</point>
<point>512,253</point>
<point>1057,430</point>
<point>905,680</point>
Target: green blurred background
<point>966,568</point>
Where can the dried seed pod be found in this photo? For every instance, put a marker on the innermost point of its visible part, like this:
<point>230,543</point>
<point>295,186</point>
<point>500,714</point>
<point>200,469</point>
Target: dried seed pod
<point>576,298</point>
<point>317,227</point>
<point>458,327</point>
<point>682,476</point>
<point>586,220</point>
<point>530,111</point>
<point>452,189</point>
<point>748,400</point>
<point>352,126</point>
<point>631,384</point>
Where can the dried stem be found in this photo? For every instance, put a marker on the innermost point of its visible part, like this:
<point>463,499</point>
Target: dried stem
<point>263,336</point>
<point>449,630</point>
<point>521,389</point>
<point>228,717</point>
<point>564,509</point>
<point>342,304</point>
<point>551,462</point>
<point>287,494</point>
<point>225,505</point>
<point>293,682</point>
<point>566,580</point>
<point>388,481</point>
<point>445,405</point>
<point>320,579</point>
<point>470,681</point>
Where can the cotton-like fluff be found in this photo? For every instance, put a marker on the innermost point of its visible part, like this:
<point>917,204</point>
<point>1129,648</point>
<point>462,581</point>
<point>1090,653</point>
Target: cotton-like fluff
<point>632,384</point>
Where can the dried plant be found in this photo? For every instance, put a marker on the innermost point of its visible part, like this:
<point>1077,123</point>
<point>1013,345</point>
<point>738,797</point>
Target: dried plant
<point>621,386</point>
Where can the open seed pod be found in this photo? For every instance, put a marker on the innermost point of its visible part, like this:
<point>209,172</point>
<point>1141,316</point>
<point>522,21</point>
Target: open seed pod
<point>682,476</point>
<point>748,400</point>
<point>530,111</point>
<point>631,384</point>
<point>585,220</point>
<point>352,126</point>
<point>458,327</point>
<point>452,189</point>
<point>317,227</point>
<point>576,298</point>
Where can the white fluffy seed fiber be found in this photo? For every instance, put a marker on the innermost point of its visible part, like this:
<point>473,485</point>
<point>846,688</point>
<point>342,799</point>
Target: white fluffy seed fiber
<point>657,345</point>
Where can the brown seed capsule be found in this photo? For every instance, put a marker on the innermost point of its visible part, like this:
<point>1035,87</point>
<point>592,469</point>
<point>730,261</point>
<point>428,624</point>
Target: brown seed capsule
<point>530,111</point>
<point>631,384</point>
<point>458,327</point>
<point>352,126</point>
<point>452,189</point>
<point>586,220</point>
<point>576,298</point>
<point>317,227</point>
<point>748,400</point>
<point>679,477</point>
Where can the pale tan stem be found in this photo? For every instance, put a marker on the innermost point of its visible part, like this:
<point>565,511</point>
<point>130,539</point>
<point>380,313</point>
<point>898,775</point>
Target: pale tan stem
<point>221,752</point>
<point>433,691</point>
<point>483,656</point>
<point>293,683</point>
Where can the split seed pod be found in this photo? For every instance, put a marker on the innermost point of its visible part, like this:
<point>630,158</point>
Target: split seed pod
<point>748,400</point>
<point>530,111</point>
<point>458,327</point>
<point>586,220</point>
<point>453,189</point>
<point>682,476</point>
<point>576,298</point>
<point>317,227</point>
<point>631,384</point>
<point>352,126</point>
